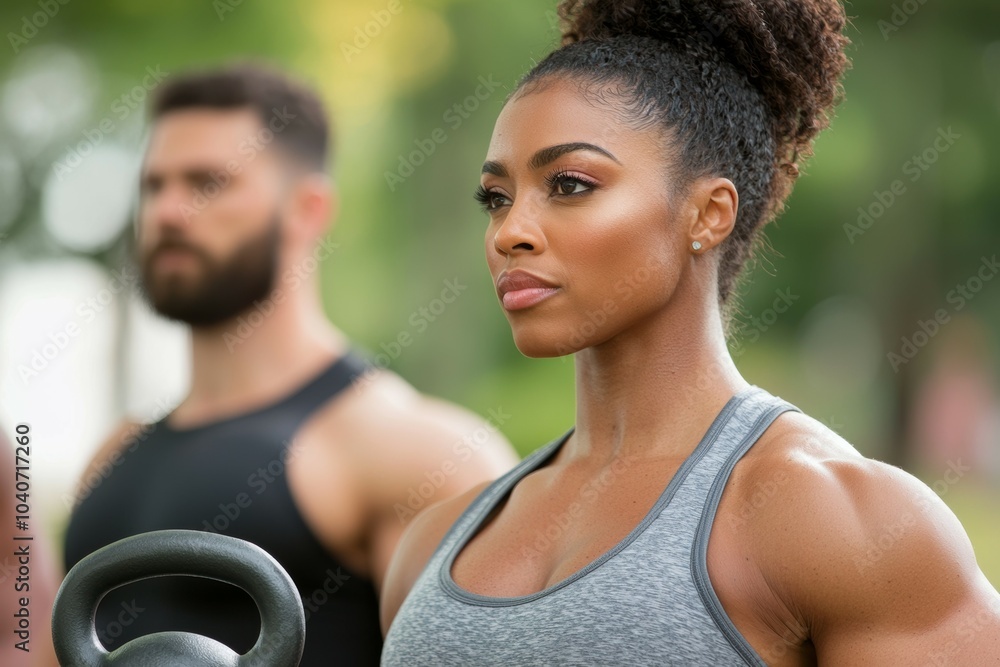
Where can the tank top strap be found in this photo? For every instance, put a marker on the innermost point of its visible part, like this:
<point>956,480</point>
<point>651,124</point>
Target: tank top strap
<point>337,377</point>
<point>751,417</point>
<point>735,429</point>
<point>286,415</point>
<point>483,504</point>
<point>646,601</point>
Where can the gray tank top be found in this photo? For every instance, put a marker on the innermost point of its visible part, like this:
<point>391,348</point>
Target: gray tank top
<point>647,601</point>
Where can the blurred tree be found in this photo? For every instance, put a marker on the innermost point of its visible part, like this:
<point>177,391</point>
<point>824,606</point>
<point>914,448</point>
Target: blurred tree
<point>396,80</point>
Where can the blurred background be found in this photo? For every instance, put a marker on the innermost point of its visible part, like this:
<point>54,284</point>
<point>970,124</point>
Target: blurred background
<point>875,309</point>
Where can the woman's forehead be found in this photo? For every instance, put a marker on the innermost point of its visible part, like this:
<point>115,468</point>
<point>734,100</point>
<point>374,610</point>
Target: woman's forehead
<point>560,112</point>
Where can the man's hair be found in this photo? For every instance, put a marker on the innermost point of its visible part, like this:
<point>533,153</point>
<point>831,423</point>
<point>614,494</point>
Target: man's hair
<point>279,101</point>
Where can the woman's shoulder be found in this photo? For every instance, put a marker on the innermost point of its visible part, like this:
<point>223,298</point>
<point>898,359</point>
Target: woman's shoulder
<point>797,444</point>
<point>834,532</point>
<point>801,468</point>
<point>416,547</point>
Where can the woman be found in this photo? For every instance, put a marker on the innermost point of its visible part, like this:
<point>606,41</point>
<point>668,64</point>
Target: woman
<point>689,517</point>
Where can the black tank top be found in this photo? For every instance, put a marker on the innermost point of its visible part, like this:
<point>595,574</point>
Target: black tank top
<point>227,476</point>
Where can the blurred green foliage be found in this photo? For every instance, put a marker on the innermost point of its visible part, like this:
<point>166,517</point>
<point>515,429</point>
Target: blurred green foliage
<point>937,69</point>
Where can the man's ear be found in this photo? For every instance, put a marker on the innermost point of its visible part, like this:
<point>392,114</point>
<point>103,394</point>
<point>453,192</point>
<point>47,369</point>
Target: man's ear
<point>315,205</point>
<point>716,203</point>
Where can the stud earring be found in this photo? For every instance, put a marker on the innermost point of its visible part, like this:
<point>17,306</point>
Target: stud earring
<point>696,245</point>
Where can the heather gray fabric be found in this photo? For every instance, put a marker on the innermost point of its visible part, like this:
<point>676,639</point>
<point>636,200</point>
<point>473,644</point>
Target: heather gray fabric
<point>647,601</point>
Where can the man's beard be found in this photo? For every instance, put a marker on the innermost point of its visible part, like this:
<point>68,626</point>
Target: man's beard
<point>223,290</point>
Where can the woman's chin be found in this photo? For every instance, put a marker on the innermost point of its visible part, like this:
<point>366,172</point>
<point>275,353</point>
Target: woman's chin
<point>541,347</point>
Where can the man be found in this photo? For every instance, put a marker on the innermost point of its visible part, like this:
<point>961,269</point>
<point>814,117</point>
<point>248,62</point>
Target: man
<point>288,437</point>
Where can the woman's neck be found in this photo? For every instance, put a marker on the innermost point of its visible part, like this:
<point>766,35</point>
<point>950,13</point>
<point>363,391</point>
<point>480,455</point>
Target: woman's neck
<point>653,390</point>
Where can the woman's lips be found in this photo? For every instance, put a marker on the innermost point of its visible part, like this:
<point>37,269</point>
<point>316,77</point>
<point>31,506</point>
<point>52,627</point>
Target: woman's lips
<point>523,298</point>
<point>519,289</point>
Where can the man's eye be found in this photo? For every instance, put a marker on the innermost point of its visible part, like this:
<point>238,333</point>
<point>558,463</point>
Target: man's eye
<point>201,180</point>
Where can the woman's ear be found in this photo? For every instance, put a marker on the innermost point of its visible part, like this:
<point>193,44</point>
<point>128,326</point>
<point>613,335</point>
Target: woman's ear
<point>716,203</point>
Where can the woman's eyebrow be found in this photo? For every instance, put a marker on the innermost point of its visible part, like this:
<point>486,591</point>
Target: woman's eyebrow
<point>495,168</point>
<point>546,155</point>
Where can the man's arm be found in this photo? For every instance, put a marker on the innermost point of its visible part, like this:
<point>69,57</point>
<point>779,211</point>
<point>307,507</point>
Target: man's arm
<point>380,455</point>
<point>102,463</point>
<point>880,568</point>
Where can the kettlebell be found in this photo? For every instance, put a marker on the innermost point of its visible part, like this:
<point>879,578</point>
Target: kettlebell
<point>178,552</point>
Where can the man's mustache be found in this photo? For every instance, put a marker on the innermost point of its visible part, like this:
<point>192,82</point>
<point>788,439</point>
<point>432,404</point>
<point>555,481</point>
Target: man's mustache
<point>168,245</point>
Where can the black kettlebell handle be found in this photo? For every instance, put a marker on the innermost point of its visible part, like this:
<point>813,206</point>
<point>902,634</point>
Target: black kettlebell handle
<point>179,552</point>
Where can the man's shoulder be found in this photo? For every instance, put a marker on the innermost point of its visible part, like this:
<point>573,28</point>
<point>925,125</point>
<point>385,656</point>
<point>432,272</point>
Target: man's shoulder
<point>394,438</point>
<point>109,452</point>
<point>383,411</point>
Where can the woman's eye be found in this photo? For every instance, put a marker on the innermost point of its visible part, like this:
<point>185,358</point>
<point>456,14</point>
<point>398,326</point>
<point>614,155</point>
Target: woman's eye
<point>563,184</point>
<point>489,199</point>
<point>570,186</point>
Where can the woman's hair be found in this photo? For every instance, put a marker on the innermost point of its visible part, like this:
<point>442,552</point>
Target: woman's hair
<point>741,88</point>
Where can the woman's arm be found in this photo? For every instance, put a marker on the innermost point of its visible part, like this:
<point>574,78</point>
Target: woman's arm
<point>881,569</point>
